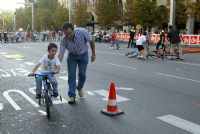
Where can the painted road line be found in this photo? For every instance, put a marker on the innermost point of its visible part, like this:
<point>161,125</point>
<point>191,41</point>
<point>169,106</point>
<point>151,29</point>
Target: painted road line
<point>65,78</point>
<point>105,94</point>
<point>181,123</point>
<point>3,53</point>
<point>124,88</point>
<point>121,66</point>
<point>21,65</point>
<point>42,112</point>
<point>1,107</point>
<point>186,63</point>
<point>13,56</point>
<point>13,103</point>
<point>109,53</point>
<point>29,63</point>
<point>197,81</point>
<point>89,93</point>
<point>191,68</point>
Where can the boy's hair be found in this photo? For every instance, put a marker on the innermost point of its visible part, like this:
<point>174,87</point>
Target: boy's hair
<point>144,33</point>
<point>52,45</point>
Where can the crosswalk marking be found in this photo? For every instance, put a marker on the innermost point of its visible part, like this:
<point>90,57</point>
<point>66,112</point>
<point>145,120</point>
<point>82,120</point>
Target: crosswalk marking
<point>1,107</point>
<point>106,94</point>
<point>181,123</point>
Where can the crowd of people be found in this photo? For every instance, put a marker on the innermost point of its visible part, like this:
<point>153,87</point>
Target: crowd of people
<point>7,36</point>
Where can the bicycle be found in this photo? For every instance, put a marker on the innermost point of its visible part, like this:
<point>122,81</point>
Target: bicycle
<point>47,91</point>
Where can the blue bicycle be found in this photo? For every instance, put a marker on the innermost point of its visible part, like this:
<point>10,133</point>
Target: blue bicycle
<point>47,91</point>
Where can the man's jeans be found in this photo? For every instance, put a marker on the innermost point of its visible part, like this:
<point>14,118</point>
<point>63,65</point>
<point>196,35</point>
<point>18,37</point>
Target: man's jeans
<point>52,80</point>
<point>179,47</point>
<point>72,62</point>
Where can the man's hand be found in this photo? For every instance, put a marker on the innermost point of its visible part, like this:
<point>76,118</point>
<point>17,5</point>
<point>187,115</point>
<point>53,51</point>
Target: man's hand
<point>93,57</point>
<point>31,74</point>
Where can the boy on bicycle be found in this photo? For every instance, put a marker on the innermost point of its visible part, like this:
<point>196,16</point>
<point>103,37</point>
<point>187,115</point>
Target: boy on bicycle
<point>49,63</point>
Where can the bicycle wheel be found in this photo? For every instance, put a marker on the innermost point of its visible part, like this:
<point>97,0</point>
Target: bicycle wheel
<point>46,97</point>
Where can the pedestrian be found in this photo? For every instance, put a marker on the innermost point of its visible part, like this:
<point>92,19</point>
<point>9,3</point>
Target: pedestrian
<point>175,41</point>
<point>141,40</point>
<point>131,39</point>
<point>49,63</point>
<point>75,41</point>
<point>161,41</point>
<point>113,39</point>
<point>0,37</point>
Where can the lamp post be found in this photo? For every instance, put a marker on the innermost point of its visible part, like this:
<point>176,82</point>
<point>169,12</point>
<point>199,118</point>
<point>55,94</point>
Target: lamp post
<point>69,6</point>
<point>172,12</point>
<point>14,22</point>
<point>32,7</point>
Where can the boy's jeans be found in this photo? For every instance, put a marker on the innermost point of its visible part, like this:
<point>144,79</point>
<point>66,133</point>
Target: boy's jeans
<point>72,62</point>
<point>52,80</point>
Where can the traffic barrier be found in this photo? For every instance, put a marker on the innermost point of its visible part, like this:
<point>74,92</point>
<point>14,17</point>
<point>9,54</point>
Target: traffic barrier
<point>185,39</point>
<point>112,109</point>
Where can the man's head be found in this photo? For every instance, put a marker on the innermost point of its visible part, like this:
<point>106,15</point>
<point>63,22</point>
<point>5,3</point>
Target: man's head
<point>170,27</point>
<point>52,49</point>
<point>68,30</point>
<point>144,33</point>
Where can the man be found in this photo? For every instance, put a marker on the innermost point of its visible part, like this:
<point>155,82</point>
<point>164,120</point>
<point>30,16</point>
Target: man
<point>174,39</point>
<point>131,39</point>
<point>161,41</point>
<point>75,41</point>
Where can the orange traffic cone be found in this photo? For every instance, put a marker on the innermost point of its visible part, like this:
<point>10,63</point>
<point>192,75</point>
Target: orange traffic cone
<point>112,108</point>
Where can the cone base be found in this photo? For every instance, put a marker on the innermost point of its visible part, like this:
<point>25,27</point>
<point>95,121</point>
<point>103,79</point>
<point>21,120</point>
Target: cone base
<point>106,112</point>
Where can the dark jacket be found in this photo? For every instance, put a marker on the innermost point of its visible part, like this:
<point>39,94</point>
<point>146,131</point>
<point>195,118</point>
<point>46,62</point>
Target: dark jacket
<point>173,36</point>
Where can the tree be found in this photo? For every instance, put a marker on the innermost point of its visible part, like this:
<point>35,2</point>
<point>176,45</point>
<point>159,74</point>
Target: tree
<point>80,14</point>
<point>108,11</point>
<point>142,12</point>
<point>181,16</point>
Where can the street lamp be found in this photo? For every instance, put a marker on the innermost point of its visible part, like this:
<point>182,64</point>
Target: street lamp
<point>32,7</point>
<point>14,22</point>
<point>172,12</point>
<point>69,6</point>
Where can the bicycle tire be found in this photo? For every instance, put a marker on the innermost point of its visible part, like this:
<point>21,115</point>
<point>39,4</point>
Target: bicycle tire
<point>46,97</point>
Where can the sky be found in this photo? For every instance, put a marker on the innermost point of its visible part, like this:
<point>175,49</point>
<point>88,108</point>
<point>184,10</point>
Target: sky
<point>10,5</point>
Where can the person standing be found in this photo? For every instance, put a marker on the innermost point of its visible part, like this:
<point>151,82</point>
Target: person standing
<point>131,39</point>
<point>161,41</point>
<point>75,41</point>
<point>175,41</point>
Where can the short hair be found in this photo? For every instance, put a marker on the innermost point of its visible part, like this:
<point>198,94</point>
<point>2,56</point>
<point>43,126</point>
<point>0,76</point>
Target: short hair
<point>52,45</point>
<point>144,33</point>
<point>67,25</point>
<point>170,27</point>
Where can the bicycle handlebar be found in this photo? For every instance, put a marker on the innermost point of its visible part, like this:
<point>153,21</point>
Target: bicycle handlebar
<point>42,74</point>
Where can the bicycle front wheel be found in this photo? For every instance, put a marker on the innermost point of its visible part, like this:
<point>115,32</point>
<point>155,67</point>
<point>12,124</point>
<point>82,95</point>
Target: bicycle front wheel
<point>46,97</point>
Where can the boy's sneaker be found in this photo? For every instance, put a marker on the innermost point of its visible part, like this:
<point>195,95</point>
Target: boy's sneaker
<point>38,96</point>
<point>55,94</point>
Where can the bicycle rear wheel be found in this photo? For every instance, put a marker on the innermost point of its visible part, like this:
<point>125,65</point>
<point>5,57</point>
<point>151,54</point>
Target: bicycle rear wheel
<point>46,97</point>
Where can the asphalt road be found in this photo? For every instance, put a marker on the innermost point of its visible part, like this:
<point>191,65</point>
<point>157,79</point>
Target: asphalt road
<point>157,97</point>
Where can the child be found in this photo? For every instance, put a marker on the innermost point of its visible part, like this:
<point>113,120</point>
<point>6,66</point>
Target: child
<point>139,43</point>
<point>50,63</point>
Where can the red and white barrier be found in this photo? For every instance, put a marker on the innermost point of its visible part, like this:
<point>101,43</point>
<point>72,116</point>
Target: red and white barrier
<point>186,39</point>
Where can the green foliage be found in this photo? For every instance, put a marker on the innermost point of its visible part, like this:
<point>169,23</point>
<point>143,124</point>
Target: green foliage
<point>8,18</point>
<point>144,12</point>
<point>108,11</point>
<point>80,14</point>
<point>48,14</point>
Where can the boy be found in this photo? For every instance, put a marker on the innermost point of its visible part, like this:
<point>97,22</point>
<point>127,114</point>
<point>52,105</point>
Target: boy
<point>139,43</point>
<point>50,63</point>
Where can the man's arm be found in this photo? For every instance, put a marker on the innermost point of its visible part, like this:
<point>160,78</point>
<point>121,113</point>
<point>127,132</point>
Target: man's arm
<point>60,56</point>
<point>92,46</point>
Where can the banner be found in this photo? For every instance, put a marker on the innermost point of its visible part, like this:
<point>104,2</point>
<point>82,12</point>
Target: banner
<point>185,39</point>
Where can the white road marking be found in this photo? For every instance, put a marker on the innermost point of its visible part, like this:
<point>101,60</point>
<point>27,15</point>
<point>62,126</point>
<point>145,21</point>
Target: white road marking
<point>124,88</point>
<point>3,53</point>
<point>181,123</point>
<point>197,81</point>
<point>121,66</point>
<point>186,63</point>
<point>105,94</point>
<point>22,65</point>
<point>1,107</point>
<point>65,78</point>
<point>42,112</point>
<point>191,68</point>
<point>13,103</point>
<point>89,93</point>
<point>109,53</point>
<point>29,63</point>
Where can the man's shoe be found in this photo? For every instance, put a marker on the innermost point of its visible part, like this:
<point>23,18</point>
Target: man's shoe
<point>71,100</point>
<point>38,96</point>
<point>80,93</point>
